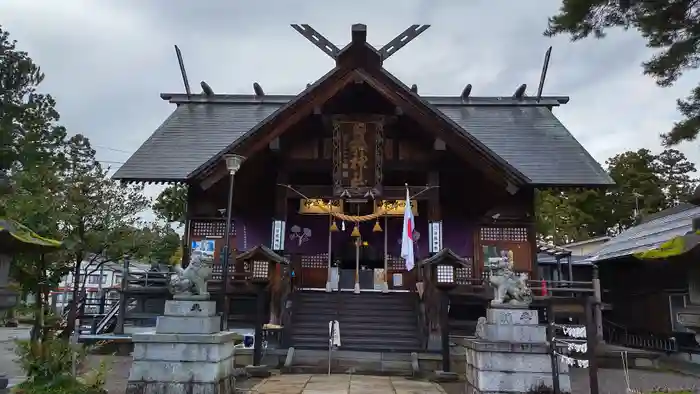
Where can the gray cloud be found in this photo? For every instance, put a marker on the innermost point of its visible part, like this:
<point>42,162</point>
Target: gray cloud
<point>107,61</point>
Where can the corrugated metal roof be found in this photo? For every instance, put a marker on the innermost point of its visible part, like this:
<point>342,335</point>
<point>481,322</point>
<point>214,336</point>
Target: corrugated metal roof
<point>545,259</point>
<point>649,235</point>
<point>529,138</point>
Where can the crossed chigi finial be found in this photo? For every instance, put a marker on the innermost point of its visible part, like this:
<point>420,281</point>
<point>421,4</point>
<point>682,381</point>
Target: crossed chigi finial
<point>386,51</point>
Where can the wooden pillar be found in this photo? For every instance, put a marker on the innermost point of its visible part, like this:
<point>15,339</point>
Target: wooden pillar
<point>187,236</point>
<point>123,299</point>
<point>259,322</point>
<point>531,226</point>
<point>445,329</point>
<point>598,309</point>
<point>592,341</point>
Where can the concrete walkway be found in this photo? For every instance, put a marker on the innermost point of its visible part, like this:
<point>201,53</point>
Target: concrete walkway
<point>344,384</point>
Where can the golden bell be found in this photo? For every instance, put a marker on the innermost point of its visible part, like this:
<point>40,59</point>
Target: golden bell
<point>355,231</point>
<point>334,227</point>
<point>377,228</point>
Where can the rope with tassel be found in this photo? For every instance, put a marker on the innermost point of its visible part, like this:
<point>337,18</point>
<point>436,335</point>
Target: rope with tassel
<point>353,218</point>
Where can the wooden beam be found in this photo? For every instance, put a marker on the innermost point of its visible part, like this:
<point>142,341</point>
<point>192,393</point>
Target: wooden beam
<point>389,192</point>
<point>481,160</point>
<point>294,113</point>
<point>215,176</point>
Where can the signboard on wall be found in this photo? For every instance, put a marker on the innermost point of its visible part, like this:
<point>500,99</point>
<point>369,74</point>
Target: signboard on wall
<point>315,206</point>
<point>395,208</point>
<point>205,246</point>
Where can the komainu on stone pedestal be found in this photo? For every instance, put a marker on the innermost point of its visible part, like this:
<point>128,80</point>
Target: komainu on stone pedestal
<point>193,279</point>
<point>186,354</point>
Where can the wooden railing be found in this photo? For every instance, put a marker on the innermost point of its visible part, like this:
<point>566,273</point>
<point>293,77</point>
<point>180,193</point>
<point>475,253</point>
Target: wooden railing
<point>616,334</point>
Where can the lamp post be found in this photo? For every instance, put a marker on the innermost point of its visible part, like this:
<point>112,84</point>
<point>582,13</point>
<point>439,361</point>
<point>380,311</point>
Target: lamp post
<point>233,164</point>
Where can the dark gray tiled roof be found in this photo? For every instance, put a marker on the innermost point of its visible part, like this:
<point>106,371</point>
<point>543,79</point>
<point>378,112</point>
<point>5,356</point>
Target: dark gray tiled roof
<point>533,141</point>
<point>649,235</point>
<point>528,137</point>
<point>189,137</point>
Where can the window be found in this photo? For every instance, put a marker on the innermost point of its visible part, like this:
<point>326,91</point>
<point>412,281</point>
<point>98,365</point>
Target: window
<point>97,279</point>
<point>117,279</point>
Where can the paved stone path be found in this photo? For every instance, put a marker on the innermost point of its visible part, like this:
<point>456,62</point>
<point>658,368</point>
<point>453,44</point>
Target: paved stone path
<point>612,381</point>
<point>343,384</point>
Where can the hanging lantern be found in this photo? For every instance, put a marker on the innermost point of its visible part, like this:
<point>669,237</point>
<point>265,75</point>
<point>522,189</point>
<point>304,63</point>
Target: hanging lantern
<point>334,227</point>
<point>377,228</point>
<point>355,231</point>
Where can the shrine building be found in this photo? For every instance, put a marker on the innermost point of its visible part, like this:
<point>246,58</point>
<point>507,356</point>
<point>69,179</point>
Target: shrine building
<point>319,183</point>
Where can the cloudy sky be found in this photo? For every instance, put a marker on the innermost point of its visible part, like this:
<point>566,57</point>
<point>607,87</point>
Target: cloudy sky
<point>107,61</point>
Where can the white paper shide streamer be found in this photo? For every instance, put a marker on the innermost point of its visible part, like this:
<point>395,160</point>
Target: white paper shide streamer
<point>573,362</point>
<point>577,347</point>
<point>577,332</point>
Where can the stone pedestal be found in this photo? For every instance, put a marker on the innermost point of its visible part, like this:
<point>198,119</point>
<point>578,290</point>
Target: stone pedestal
<point>512,354</point>
<point>186,354</point>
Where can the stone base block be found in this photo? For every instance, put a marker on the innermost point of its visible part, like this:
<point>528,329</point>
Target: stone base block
<point>492,382</point>
<point>186,352</point>
<point>512,315</point>
<point>522,362</point>
<point>516,333</point>
<point>502,367</point>
<point>188,325</point>
<point>223,386</point>
<point>190,308</point>
<point>180,372</point>
<point>168,363</point>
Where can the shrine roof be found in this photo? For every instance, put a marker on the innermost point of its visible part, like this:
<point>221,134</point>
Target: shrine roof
<point>650,234</point>
<point>523,132</point>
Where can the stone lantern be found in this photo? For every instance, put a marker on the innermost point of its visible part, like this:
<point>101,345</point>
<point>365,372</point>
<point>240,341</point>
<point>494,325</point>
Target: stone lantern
<point>442,269</point>
<point>262,266</point>
<point>15,238</point>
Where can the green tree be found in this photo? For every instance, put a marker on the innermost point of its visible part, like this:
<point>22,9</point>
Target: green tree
<point>29,134</point>
<point>639,188</point>
<point>158,243</point>
<point>29,138</point>
<point>675,171</point>
<point>644,183</point>
<point>171,203</point>
<point>97,215</point>
<point>671,27</point>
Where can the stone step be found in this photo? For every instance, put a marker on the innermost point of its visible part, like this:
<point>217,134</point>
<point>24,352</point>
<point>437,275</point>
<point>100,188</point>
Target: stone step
<point>359,331</point>
<point>329,310</point>
<point>355,362</point>
<point>364,305</point>
<point>354,300</point>
<point>404,321</point>
<point>347,342</point>
<point>318,326</point>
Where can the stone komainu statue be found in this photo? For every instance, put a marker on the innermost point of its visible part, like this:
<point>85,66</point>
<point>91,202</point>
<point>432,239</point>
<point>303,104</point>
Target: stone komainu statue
<point>193,279</point>
<point>509,287</point>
